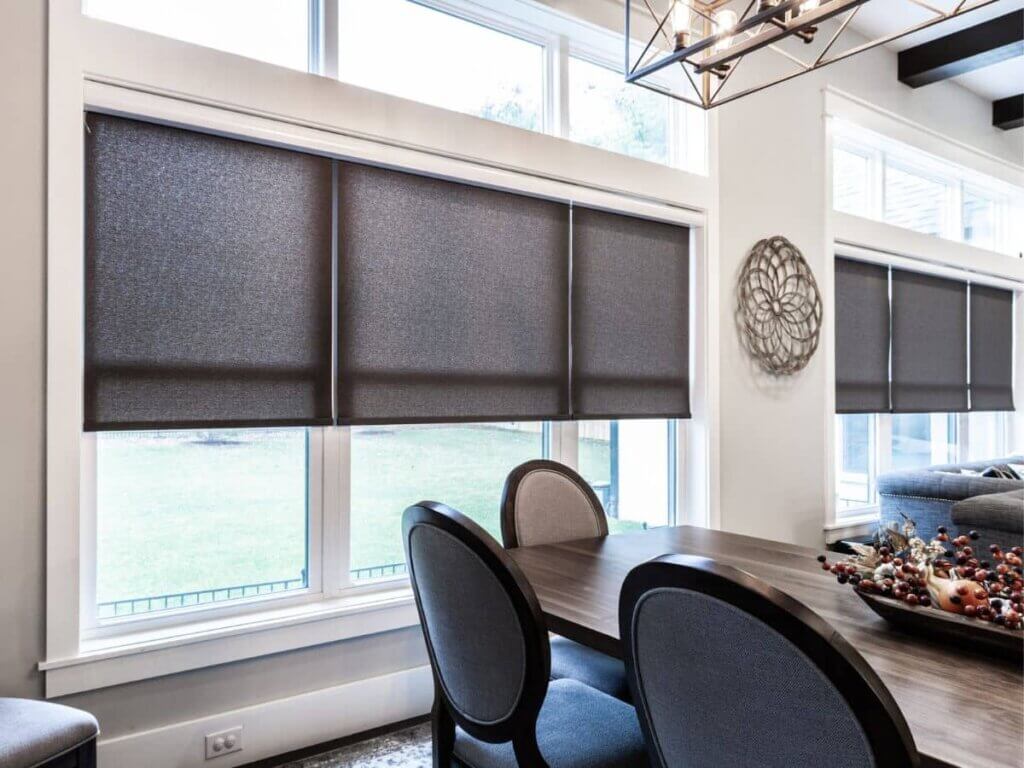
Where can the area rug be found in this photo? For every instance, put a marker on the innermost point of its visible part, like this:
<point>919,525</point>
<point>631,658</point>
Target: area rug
<point>409,748</point>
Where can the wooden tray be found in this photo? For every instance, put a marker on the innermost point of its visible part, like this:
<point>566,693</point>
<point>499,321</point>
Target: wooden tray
<point>943,626</point>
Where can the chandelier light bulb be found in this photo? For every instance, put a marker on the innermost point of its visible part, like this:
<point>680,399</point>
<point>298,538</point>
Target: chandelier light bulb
<point>680,20</point>
<point>724,21</point>
<point>809,5</point>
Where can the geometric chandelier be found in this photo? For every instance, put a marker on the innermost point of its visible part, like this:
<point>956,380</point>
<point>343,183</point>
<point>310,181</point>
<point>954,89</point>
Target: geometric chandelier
<point>708,53</point>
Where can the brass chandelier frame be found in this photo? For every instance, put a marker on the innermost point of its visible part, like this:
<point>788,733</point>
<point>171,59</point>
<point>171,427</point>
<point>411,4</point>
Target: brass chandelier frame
<point>763,24</point>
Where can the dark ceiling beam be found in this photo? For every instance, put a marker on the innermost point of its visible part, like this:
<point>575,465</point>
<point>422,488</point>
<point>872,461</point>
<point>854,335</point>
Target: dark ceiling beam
<point>1009,112</point>
<point>979,46</point>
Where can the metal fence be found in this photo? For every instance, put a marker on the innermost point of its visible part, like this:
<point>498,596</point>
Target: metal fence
<point>140,605</point>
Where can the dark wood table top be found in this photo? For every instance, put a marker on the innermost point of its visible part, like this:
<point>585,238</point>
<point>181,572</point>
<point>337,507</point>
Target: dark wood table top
<point>963,709</point>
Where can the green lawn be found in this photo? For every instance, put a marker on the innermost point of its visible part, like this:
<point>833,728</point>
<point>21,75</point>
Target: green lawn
<point>179,512</point>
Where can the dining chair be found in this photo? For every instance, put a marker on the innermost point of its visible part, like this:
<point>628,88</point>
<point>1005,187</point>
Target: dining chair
<point>494,706</point>
<point>545,502</point>
<point>727,670</point>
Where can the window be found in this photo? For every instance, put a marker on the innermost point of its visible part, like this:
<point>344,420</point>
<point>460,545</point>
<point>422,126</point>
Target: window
<point>461,465</point>
<point>433,53</point>
<point>879,178</point>
<point>631,465</point>
<point>443,60</point>
<point>868,445</point>
<point>275,31</point>
<point>850,185</point>
<point>979,219</point>
<point>606,112</point>
<point>914,201</point>
<point>188,518</point>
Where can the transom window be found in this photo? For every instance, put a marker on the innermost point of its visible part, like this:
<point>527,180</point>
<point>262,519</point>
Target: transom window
<point>434,50</point>
<point>879,178</point>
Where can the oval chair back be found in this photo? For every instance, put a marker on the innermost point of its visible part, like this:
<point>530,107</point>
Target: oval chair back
<point>545,502</point>
<point>727,670</point>
<point>484,631</point>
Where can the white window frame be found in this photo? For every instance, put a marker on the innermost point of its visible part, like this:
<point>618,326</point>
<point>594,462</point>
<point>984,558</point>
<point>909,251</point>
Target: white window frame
<point>95,65</point>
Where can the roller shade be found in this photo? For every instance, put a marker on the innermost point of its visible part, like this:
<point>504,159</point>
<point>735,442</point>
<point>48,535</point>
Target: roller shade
<point>991,349</point>
<point>929,344</point>
<point>208,280</point>
<point>630,317</point>
<point>862,337</point>
<point>452,301</point>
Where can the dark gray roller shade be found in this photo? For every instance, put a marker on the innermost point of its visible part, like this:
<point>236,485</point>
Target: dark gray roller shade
<point>991,349</point>
<point>862,337</point>
<point>630,317</point>
<point>208,280</point>
<point>929,343</point>
<point>452,301</point>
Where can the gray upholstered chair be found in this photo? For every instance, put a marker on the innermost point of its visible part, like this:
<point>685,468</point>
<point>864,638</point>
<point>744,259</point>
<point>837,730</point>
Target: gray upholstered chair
<point>545,502</point>
<point>728,670</point>
<point>494,706</point>
<point>38,734</point>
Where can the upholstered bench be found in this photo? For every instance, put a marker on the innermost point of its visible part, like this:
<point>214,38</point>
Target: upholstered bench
<point>38,734</point>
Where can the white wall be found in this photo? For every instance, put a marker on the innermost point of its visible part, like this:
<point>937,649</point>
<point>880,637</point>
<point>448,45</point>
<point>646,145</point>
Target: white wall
<point>22,288</point>
<point>773,181</point>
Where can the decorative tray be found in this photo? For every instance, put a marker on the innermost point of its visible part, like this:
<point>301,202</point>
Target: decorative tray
<point>944,626</point>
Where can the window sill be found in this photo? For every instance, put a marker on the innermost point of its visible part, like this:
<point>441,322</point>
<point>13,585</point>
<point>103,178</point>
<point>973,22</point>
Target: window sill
<point>859,522</point>
<point>129,657</point>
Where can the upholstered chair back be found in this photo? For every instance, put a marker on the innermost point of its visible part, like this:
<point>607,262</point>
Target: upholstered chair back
<point>481,621</point>
<point>726,670</point>
<point>545,502</point>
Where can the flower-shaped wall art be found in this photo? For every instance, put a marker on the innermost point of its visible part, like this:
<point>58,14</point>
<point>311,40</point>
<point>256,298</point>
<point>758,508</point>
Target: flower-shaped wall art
<point>779,311</point>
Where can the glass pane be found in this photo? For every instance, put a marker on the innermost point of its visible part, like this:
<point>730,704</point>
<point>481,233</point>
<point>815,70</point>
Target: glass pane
<point>418,53</point>
<point>986,437</point>
<point>631,465</point>
<point>850,182</point>
<point>914,202</point>
<point>606,112</point>
<point>979,220</point>
<point>461,465</point>
<point>276,31</point>
<point>188,518</point>
<point>855,448</point>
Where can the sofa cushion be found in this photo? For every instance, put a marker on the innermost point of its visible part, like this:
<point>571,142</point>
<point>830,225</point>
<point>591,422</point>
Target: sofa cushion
<point>34,732</point>
<point>1003,511</point>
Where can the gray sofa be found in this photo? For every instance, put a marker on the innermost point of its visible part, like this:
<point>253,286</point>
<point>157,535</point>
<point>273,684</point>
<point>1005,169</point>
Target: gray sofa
<point>940,495</point>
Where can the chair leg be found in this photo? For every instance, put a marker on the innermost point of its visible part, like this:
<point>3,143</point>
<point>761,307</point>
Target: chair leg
<point>86,755</point>
<point>442,730</point>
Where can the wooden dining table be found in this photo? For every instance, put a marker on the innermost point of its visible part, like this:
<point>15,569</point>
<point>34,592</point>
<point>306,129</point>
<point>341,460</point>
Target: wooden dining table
<point>964,709</point>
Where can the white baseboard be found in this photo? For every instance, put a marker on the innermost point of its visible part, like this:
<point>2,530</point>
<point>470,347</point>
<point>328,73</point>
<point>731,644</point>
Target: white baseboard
<point>278,726</point>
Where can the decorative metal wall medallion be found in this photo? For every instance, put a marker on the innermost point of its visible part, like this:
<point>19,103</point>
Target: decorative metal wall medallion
<point>779,310</point>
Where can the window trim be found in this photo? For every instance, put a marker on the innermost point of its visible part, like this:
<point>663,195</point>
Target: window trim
<point>102,66</point>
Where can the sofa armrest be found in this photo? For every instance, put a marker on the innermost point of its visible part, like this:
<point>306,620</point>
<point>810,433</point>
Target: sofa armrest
<point>928,484</point>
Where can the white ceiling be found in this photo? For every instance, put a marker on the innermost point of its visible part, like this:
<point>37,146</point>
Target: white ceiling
<point>879,17</point>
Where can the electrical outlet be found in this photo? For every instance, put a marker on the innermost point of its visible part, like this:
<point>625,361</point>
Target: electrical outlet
<point>224,742</point>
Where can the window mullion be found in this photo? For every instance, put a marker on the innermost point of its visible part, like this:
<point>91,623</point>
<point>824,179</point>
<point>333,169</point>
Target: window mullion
<point>329,37</point>
<point>560,83</point>
<point>565,445</point>
<point>336,509</point>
